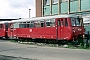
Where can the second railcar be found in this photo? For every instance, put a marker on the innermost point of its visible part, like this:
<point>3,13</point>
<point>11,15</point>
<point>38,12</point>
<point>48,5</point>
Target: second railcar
<point>4,29</point>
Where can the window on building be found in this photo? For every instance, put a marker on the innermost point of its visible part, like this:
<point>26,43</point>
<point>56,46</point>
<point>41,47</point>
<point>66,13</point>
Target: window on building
<point>64,1</point>
<point>67,0</point>
<point>55,1</point>
<point>73,0</point>
<point>46,2</point>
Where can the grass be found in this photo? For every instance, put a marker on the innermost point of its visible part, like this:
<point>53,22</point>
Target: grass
<point>13,41</point>
<point>55,45</point>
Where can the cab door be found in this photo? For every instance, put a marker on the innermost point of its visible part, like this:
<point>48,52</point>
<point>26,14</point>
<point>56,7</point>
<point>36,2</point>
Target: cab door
<point>15,29</point>
<point>60,29</point>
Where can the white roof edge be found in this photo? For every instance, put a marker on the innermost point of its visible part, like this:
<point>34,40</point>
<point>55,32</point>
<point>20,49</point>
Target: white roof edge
<point>46,17</point>
<point>1,22</point>
<point>40,18</point>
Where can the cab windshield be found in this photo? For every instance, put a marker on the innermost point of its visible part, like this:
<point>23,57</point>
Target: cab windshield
<point>75,22</point>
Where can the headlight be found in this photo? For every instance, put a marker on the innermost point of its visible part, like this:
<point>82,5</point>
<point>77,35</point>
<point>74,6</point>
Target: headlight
<point>79,29</point>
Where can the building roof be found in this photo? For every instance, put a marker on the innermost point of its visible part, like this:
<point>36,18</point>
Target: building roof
<point>7,19</point>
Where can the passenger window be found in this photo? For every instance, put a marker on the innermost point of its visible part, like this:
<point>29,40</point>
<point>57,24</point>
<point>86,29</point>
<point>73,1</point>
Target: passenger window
<point>23,25</point>
<point>66,22</point>
<point>42,23</point>
<point>6,25</point>
<point>37,23</point>
<point>20,24</point>
<point>16,25</point>
<point>30,24</point>
<point>11,26</point>
<point>1,26</point>
<point>50,23</point>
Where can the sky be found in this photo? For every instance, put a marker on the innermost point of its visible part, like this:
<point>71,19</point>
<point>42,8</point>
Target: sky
<point>17,8</point>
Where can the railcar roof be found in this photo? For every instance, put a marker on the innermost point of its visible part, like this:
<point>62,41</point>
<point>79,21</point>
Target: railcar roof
<point>44,18</point>
<point>2,22</point>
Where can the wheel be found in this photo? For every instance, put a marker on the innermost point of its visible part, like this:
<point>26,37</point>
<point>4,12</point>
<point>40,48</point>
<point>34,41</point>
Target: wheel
<point>6,37</point>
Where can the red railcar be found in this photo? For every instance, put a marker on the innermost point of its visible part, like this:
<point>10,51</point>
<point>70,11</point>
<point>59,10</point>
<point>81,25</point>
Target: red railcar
<point>59,27</point>
<point>4,29</point>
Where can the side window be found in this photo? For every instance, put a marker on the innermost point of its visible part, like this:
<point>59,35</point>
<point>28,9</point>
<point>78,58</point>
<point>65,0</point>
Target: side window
<point>42,23</point>
<point>59,23</point>
<point>16,25</point>
<point>50,23</point>
<point>73,22</point>
<point>11,26</point>
<point>6,25</point>
<point>20,25</point>
<point>30,24</point>
<point>24,25</point>
<point>1,25</point>
<point>37,23</point>
<point>66,22</point>
<point>62,22</point>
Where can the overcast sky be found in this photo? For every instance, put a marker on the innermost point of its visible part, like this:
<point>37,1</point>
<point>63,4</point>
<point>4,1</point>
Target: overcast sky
<point>17,8</point>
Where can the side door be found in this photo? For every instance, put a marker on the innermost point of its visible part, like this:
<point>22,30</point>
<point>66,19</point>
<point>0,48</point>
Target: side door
<point>1,29</point>
<point>60,29</point>
<point>10,30</point>
<point>15,29</point>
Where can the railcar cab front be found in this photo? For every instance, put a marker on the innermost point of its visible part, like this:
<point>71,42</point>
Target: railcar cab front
<point>69,28</point>
<point>77,27</point>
